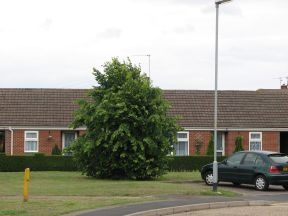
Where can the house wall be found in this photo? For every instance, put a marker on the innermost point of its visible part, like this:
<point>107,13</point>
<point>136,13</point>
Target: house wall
<point>47,139</point>
<point>270,140</point>
<point>203,136</point>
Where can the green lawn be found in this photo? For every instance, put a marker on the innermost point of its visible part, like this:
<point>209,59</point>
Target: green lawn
<point>56,193</point>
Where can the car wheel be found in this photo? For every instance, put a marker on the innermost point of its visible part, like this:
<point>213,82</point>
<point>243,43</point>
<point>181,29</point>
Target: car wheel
<point>208,178</point>
<point>236,183</point>
<point>285,186</point>
<point>261,183</point>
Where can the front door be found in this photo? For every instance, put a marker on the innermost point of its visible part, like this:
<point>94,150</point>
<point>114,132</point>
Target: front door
<point>2,141</point>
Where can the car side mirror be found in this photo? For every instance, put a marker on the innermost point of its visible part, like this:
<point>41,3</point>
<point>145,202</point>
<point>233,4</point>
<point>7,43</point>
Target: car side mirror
<point>224,162</point>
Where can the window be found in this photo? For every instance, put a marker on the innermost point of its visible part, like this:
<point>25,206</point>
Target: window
<point>182,146</point>
<point>68,138</point>
<point>220,143</point>
<point>250,159</point>
<point>255,141</point>
<point>235,159</point>
<point>31,141</point>
<point>259,161</point>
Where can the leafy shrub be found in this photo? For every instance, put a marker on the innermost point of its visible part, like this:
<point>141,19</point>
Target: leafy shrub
<point>210,149</point>
<point>238,144</point>
<point>191,163</point>
<point>129,133</point>
<point>56,150</point>
<point>47,163</point>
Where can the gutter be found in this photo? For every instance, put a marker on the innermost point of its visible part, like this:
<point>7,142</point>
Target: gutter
<point>11,139</point>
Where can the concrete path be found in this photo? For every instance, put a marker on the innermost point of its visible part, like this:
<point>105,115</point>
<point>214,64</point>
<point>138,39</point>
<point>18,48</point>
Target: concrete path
<point>279,209</point>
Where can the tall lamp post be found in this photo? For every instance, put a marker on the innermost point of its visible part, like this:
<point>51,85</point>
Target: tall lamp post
<point>215,164</point>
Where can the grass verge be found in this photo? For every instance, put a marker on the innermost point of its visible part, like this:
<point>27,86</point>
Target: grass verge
<point>56,193</point>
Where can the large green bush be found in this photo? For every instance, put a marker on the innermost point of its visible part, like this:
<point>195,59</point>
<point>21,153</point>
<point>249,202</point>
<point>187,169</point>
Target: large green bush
<point>128,131</point>
<point>36,163</point>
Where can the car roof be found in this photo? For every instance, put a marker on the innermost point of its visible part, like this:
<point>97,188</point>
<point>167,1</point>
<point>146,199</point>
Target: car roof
<point>262,152</point>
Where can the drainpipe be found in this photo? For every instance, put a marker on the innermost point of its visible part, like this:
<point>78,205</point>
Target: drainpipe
<point>12,135</point>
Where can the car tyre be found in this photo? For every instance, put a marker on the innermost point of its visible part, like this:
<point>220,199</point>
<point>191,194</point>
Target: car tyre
<point>261,183</point>
<point>285,186</point>
<point>208,178</point>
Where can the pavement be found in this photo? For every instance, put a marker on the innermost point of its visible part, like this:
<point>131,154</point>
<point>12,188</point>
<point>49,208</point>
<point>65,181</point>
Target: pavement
<point>279,209</point>
<point>181,205</point>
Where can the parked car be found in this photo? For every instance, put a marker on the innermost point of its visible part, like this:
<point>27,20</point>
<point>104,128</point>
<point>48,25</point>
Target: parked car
<point>260,168</point>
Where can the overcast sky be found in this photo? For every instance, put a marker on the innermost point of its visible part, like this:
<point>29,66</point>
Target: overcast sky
<point>56,43</point>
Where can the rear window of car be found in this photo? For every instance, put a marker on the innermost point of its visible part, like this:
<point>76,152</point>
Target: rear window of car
<point>279,158</point>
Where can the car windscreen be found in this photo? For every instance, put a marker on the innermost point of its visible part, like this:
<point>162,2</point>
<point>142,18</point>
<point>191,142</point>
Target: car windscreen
<point>279,158</point>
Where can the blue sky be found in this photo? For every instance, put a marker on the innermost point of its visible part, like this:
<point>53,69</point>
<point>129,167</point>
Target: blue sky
<point>55,44</point>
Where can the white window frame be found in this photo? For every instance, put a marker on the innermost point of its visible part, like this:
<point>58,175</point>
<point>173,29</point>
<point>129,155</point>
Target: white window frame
<point>223,143</point>
<point>31,139</point>
<point>63,137</point>
<point>184,140</point>
<point>259,140</point>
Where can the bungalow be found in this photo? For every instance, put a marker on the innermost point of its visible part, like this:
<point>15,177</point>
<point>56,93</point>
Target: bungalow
<point>35,120</point>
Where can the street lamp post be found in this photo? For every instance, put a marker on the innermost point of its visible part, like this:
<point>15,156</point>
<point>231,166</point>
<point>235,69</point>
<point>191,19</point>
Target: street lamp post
<point>215,164</point>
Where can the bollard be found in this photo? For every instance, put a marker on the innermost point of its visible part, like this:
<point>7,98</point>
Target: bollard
<point>26,180</point>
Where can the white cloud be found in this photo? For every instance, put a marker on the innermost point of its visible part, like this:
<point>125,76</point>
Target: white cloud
<point>57,43</point>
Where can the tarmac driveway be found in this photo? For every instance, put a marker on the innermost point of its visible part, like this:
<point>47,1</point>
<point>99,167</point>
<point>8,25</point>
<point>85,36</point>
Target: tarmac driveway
<point>249,190</point>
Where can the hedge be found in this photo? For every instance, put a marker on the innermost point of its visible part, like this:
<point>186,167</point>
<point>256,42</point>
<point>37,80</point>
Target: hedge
<point>36,163</point>
<point>190,163</point>
<point>66,163</point>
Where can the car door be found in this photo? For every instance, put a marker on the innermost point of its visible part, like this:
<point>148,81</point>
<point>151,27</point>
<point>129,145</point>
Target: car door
<point>247,168</point>
<point>228,170</point>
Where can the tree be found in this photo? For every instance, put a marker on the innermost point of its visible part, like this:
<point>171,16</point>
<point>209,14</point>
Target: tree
<point>129,133</point>
<point>238,144</point>
<point>210,149</point>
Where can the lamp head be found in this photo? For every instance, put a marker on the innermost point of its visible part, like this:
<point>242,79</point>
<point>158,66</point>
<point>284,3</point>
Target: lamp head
<point>218,2</point>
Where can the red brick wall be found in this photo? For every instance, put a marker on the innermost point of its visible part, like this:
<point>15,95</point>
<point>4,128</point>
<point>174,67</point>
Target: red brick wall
<point>204,136</point>
<point>270,141</point>
<point>230,141</point>
<point>47,140</point>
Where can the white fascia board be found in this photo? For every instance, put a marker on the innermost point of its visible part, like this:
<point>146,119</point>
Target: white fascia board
<point>41,128</point>
<point>236,129</point>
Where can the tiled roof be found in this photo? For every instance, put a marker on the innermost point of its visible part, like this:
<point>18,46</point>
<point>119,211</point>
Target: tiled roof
<point>38,107</point>
<point>237,109</point>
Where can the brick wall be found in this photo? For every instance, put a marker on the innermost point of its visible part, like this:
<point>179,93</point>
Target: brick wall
<point>203,137</point>
<point>46,141</point>
<point>270,141</point>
